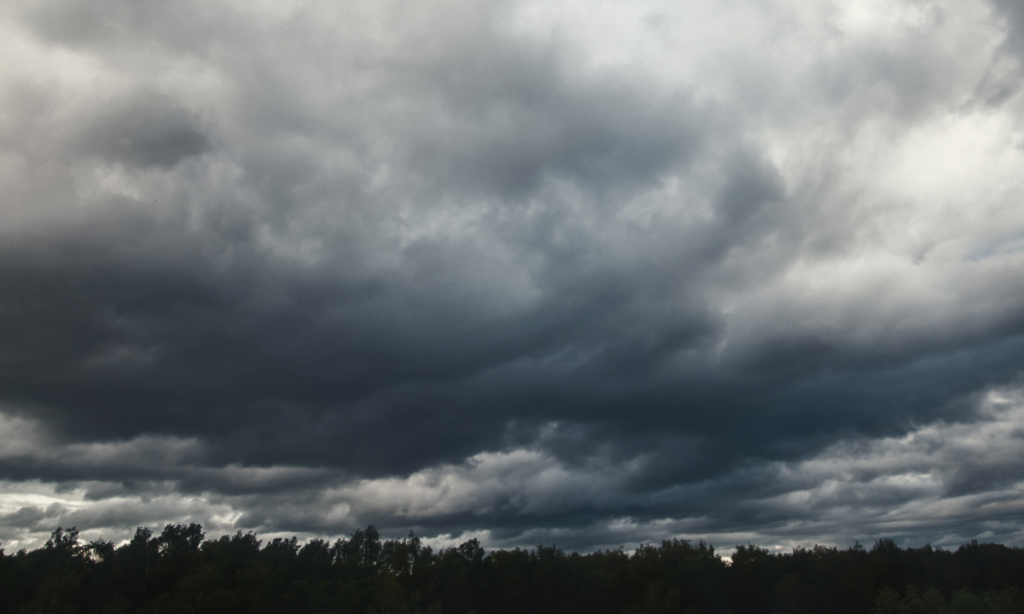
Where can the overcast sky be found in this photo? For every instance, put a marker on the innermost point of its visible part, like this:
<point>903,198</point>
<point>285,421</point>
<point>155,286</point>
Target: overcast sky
<point>574,272</point>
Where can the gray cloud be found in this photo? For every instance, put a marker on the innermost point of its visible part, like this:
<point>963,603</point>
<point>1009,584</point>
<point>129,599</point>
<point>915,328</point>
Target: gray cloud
<point>147,130</point>
<point>513,271</point>
<point>942,483</point>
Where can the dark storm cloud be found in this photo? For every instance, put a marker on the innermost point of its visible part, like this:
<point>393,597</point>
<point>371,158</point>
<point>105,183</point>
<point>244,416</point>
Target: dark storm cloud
<point>158,323</point>
<point>314,266</point>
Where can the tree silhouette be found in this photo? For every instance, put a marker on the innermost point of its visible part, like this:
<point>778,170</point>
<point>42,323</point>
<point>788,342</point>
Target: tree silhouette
<point>182,571</point>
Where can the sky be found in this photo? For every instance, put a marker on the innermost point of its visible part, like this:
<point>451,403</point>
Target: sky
<point>583,273</point>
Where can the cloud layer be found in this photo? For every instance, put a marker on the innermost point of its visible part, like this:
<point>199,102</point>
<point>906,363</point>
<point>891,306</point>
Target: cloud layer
<point>529,270</point>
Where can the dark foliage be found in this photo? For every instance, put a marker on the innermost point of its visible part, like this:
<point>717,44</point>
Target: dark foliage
<point>179,572</point>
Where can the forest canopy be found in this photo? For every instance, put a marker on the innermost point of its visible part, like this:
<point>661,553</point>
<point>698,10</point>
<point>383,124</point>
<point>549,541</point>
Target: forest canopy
<point>180,570</point>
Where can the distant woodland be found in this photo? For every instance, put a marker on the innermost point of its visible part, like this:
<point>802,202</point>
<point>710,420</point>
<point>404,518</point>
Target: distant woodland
<point>179,571</point>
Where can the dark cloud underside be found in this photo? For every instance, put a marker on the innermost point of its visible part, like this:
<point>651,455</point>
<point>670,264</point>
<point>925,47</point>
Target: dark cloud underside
<point>465,267</point>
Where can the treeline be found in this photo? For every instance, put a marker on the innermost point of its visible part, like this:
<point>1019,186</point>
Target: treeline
<point>179,571</point>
